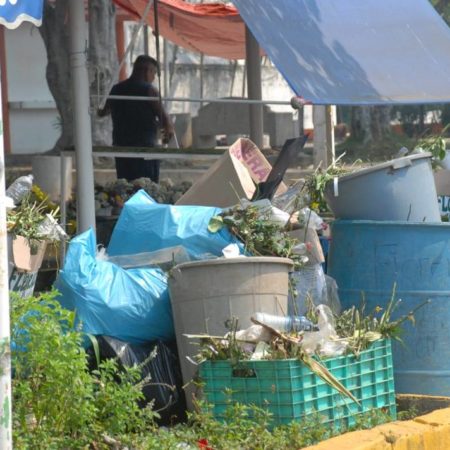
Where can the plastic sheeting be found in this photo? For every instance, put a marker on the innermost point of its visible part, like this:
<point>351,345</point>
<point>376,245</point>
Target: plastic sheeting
<point>132,305</point>
<point>164,386</point>
<point>146,226</point>
<point>214,29</point>
<point>353,51</point>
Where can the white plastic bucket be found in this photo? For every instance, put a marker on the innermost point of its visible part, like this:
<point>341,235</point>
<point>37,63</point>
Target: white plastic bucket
<point>205,294</point>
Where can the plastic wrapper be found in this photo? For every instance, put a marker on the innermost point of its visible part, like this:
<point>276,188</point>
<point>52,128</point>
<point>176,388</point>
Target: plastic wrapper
<point>232,251</point>
<point>312,286</point>
<point>165,258</point>
<point>268,211</point>
<point>147,226</point>
<point>254,334</point>
<point>164,386</point>
<point>325,341</point>
<point>292,199</point>
<point>310,219</point>
<point>332,295</point>
<point>51,230</point>
<point>130,304</point>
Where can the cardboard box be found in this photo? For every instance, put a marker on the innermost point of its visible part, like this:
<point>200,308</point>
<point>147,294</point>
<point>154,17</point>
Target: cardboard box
<point>231,178</point>
<point>442,180</point>
<point>315,255</point>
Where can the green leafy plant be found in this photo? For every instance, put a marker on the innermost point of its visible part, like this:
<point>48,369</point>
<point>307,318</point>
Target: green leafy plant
<point>360,328</point>
<point>25,220</point>
<point>58,403</point>
<point>259,234</point>
<point>249,427</point>
<point>316,183</point>
<point>436,145</point>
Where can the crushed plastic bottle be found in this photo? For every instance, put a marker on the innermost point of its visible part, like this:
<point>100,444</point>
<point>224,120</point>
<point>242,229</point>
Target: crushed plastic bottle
<point>285,323</point>
<point>19,188</point>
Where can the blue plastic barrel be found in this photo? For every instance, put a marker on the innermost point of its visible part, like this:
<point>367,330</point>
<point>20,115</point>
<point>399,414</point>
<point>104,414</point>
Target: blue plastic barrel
<point>369,257</point>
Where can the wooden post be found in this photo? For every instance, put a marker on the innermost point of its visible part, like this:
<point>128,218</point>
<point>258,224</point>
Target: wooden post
<point>323,119</point>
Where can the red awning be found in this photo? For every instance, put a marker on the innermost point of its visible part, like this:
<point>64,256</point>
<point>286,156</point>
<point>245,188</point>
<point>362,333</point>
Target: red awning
<point>214,29</point>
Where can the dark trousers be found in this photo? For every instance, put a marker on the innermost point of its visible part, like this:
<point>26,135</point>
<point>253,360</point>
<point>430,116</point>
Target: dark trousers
<point>132,168</point>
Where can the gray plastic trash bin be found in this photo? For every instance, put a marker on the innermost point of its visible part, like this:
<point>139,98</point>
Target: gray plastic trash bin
<point>205,294</point>
<point>401,189</point>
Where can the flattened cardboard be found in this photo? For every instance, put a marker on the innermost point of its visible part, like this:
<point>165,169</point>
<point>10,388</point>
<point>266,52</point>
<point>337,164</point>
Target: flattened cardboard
<point>442,180</point>
<point>256,163</point>
<point>23,283</point>
<point>24,259</point>
<point>223,185</point>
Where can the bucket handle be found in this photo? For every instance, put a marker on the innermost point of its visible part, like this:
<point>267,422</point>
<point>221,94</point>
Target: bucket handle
<point>401,163</point>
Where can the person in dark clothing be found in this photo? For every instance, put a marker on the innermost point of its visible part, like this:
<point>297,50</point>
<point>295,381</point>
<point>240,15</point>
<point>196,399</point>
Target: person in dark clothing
<point>136,122</point>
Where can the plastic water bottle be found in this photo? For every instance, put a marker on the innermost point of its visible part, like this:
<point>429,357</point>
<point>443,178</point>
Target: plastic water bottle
<point>19,188</point>
<point>285,323</point>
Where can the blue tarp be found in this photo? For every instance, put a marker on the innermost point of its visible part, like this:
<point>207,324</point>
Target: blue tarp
<point>13,13</point>
<point>147,226</point>
<point>132,305</point>
<point>355,51</point>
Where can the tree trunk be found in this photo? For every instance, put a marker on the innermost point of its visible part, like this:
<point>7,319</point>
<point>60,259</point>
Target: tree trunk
<point>103,63</point>
<point>360,126</point>
<point>55,34</point>
<point>370,123</point>
<point>102,57</point>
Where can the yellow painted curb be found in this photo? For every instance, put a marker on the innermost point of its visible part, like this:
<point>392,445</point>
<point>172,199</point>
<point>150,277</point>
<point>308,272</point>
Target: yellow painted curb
<point>428,432</point>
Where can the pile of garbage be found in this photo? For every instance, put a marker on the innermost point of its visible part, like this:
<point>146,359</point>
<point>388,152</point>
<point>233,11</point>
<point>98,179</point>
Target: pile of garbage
<point>122,292</point>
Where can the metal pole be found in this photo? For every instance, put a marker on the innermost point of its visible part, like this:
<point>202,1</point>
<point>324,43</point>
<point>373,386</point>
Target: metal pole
<point>166,71</point>
<point>253,62</point>
<point>245,101</point>
<point>146,49</point>
<point>5,349</point>
<point>82,118</point>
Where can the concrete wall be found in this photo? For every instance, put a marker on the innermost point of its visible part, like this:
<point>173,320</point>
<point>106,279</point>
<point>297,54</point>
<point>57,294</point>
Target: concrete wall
<point>227,80</point>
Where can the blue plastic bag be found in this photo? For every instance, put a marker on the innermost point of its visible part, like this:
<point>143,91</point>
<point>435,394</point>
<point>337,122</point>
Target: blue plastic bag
<point>132,305</point>
<point>146,226</point>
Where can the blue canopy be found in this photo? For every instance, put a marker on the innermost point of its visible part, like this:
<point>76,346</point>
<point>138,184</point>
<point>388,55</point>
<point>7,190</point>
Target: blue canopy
<point>355,51</point>
<point>14,12</point>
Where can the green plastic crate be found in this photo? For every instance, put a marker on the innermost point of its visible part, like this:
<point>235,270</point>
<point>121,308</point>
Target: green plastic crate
<point>290,391</point>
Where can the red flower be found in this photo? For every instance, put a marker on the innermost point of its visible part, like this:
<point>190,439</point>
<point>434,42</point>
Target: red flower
<point>203,444</point>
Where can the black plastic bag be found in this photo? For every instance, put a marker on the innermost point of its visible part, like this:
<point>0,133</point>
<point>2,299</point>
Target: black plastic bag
<point>165,385</point>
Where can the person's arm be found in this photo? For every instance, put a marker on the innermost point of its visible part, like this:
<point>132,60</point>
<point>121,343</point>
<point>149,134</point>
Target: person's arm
<point>105,111</point>
<point>166,125</point>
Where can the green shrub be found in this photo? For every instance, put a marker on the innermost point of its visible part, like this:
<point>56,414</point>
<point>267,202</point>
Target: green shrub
<point>58,403</point>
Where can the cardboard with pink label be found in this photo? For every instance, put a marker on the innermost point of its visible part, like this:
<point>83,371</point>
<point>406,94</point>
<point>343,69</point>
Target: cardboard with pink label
<point>232,177</point>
